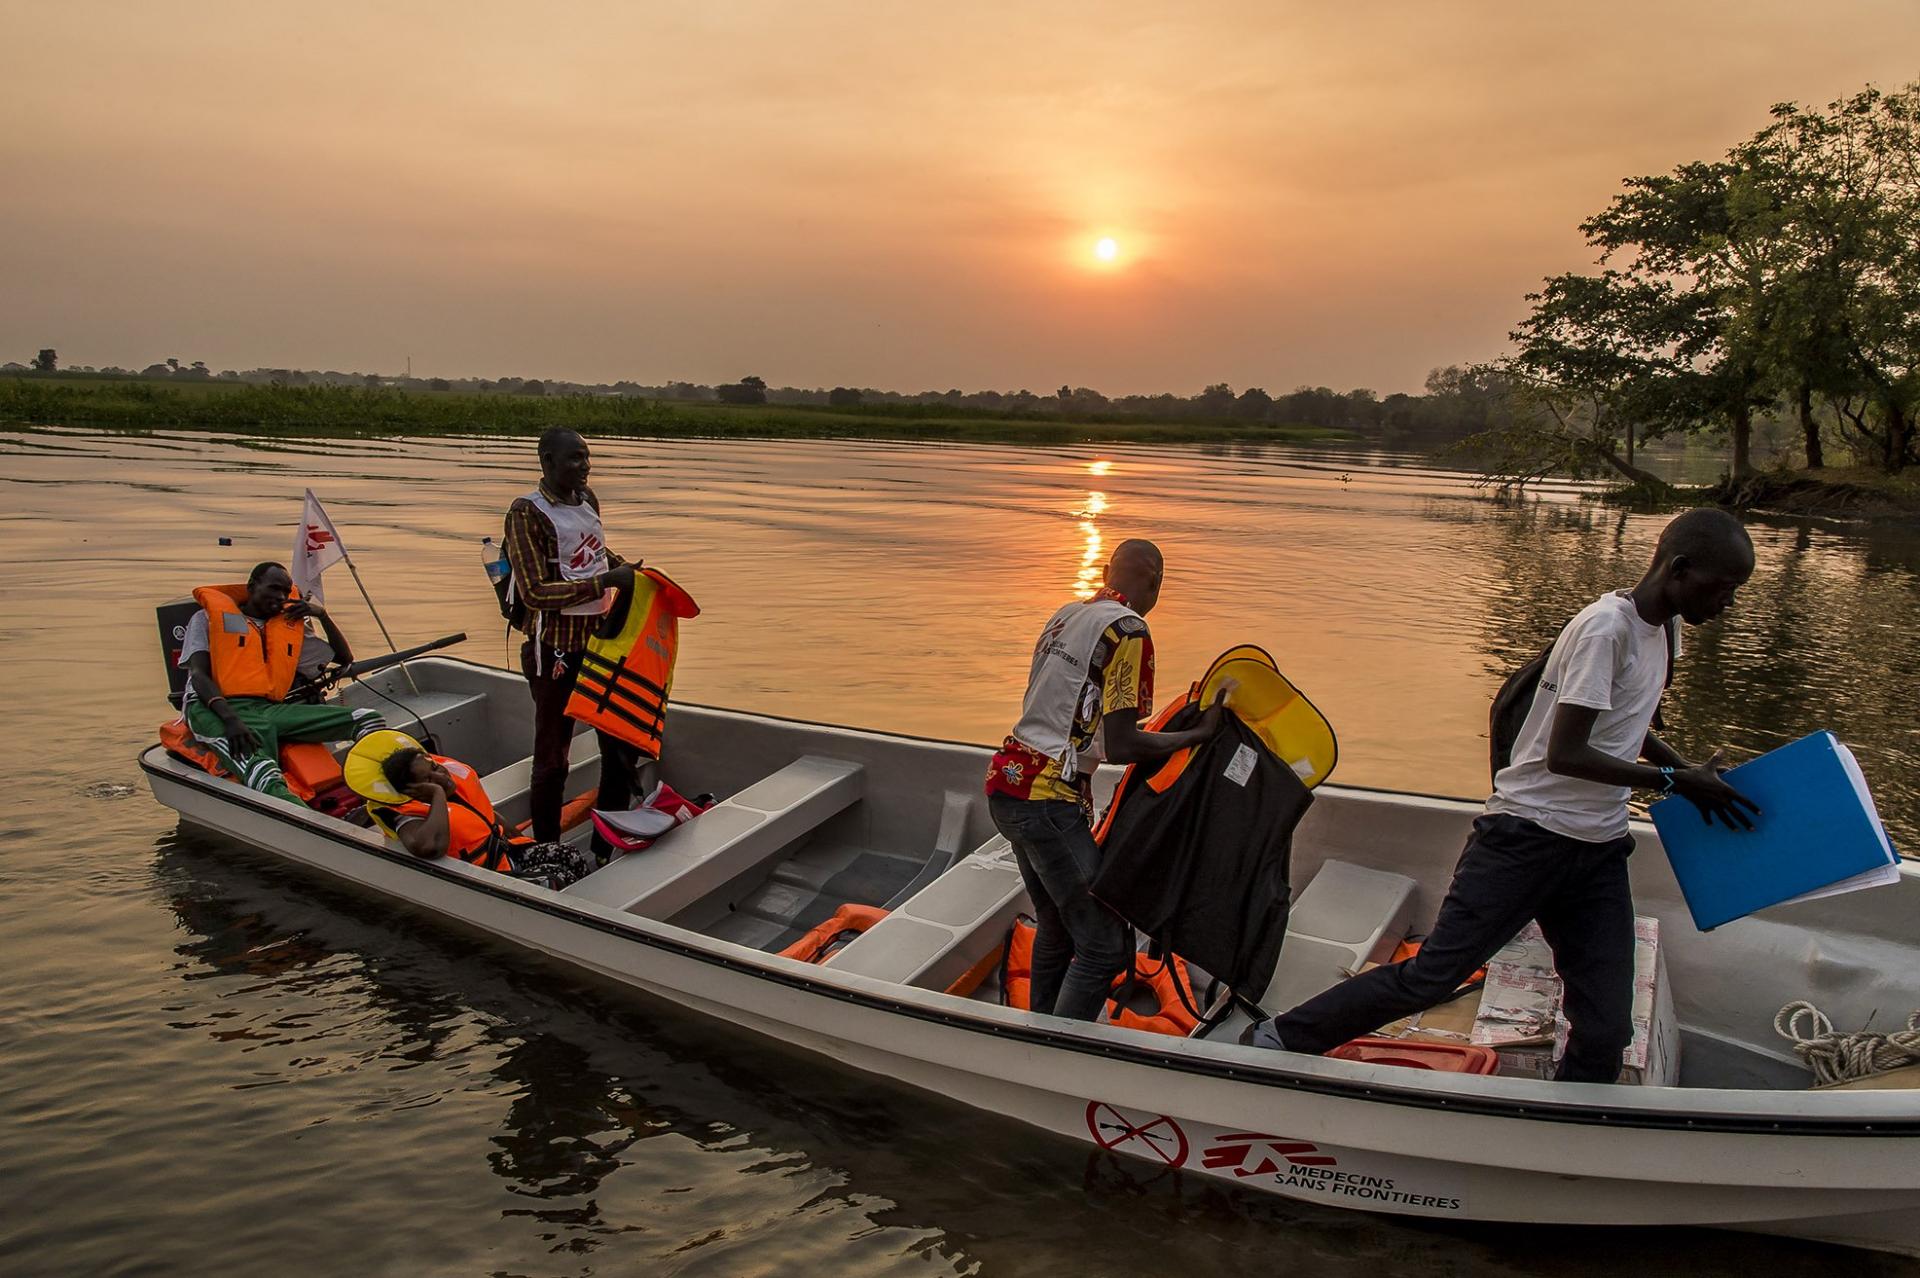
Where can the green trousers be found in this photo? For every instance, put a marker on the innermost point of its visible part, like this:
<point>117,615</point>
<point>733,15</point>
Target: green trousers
<point>275,722</point>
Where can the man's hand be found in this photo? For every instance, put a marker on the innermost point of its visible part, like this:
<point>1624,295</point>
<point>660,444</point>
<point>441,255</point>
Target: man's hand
<point>1703,786</point>
<point>242,742</point>
<point>302,609</point>
<point>620,578</point>
<point>427,792</point>
<point>1215,714</point>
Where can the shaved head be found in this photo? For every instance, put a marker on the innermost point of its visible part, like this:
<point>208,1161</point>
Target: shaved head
<point>1136,553</point>
<point>1135,571</point>
<point>1703,559</point>
<point>1710,538</point>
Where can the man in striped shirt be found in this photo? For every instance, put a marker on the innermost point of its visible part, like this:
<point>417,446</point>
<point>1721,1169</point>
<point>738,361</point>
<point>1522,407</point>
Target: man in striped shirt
<point>565,575</point>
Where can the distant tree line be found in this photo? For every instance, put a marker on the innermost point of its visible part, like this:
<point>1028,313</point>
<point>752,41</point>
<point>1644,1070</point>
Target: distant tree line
<point>1458,403</point>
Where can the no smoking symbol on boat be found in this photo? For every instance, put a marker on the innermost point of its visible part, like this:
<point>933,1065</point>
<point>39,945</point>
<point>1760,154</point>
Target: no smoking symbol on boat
<point>1150,1136</point>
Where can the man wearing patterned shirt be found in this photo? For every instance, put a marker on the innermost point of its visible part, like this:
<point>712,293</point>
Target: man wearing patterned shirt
<point>1090,686</point>
<point>566,576</point>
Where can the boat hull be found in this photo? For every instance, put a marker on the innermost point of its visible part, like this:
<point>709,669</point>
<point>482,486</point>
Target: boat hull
<point>1823,1166</point>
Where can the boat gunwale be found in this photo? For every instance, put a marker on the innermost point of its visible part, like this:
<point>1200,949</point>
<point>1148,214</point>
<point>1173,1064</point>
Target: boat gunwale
<point>638,930</point>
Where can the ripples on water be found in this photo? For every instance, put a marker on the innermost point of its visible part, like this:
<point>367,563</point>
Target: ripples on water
<point>208,1061</point>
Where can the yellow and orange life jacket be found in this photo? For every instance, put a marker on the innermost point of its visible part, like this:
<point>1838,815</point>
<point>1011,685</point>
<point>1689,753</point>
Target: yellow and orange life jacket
<point>250,660</point>
<point>624,677</point>
<point>474,833</point>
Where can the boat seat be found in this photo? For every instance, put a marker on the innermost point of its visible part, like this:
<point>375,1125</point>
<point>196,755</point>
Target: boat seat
<point>729,839</point>
<point>1345,918</point>
<point>511,787</point>
<point>938,934</point>
<point>449,716</point>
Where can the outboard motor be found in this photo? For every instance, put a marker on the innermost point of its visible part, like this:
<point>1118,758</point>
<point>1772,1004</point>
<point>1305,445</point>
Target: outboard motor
<point>173,617</point>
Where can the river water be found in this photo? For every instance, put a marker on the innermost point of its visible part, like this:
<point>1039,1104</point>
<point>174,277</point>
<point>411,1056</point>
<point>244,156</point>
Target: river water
<point>209,1062</point>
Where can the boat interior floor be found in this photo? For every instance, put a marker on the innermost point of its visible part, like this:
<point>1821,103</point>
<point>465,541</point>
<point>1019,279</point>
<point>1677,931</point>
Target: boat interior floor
<point>803,891</point>
<point>783,852</point>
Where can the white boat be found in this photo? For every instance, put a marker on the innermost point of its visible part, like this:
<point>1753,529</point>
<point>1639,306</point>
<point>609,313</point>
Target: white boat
<point>813,816</point>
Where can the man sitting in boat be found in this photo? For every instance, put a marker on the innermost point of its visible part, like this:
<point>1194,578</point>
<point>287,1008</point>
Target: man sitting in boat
<point>436,806</point>
<point>1090,685</point>
<point>242,652</point>
<point>1552,844</point>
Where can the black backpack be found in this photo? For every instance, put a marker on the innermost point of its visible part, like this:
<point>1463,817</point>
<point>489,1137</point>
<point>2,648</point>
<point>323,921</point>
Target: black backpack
<point>512,608</point>
<point>1514,702</point>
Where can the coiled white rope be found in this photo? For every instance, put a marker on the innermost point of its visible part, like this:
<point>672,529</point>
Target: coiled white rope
<point>1840,1058</point>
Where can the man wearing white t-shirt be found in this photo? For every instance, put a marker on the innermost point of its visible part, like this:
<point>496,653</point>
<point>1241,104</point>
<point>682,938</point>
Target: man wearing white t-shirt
<point>1552,845</point>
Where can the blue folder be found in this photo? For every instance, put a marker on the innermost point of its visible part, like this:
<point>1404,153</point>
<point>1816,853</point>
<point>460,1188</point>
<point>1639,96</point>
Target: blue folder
<point>1817,834</point>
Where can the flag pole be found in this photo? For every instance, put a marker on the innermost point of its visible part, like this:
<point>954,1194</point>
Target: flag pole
<point>391,645</point>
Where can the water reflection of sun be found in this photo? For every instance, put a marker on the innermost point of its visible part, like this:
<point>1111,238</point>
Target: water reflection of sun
<point>1088,579</point>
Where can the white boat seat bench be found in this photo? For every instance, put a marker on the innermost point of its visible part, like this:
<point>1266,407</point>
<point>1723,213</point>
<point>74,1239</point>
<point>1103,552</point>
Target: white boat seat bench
<point>729,839</point>
<point>1346,917</point>
<point>938,934</point>
<point>447,715</point>
<point>511,787</point>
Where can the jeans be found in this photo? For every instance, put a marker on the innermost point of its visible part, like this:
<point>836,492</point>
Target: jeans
<point>1511,870</point>
<point>553,746</point>
<point>1079,945</point>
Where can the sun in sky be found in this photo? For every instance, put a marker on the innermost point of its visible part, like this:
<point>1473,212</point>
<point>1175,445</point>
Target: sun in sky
<point>1106,248</point>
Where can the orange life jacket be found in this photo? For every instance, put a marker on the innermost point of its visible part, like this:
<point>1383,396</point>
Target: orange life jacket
<point>1171,1016</point>
<point>835,934</point>
<point>474,834</point>
<point>249,661</point>
<point>624,676</point>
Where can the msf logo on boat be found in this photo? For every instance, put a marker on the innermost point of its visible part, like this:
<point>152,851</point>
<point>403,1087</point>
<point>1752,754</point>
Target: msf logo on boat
<point>1257,1154</point>
<point>586,552</point>
<point>318,538</point>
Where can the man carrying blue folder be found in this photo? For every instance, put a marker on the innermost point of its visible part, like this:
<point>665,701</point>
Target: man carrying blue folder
<point>1552,844</point>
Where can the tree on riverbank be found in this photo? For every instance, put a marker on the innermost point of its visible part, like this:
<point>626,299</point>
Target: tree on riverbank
<point>1782,278</point>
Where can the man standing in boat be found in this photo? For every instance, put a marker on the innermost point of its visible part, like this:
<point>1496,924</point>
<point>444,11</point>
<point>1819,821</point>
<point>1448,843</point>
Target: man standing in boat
<point>1552,845</point>
<point>565,576</point>
<point>1090,685</point>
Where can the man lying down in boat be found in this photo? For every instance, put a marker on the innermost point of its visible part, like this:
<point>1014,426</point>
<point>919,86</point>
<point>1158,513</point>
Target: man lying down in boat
<point>1552,845</point>
<point>436,806</point>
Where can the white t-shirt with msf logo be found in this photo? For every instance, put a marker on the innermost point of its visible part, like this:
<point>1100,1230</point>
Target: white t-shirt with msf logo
<point>1609,660</point>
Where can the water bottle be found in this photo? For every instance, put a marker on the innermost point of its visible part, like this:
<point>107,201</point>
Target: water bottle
<point>494,561</point>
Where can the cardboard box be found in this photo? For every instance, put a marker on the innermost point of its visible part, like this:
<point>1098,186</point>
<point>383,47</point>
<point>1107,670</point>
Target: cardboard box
<point>1518,1013</point>
<point>1450,1022</point>
<point>1523,1000</point>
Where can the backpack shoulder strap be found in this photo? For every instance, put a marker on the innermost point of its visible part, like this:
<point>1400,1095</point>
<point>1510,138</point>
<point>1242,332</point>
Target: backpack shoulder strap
<point>1511,705</point>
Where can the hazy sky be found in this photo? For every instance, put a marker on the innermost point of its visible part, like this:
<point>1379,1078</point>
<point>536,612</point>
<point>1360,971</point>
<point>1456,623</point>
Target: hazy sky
<point>901,195</point>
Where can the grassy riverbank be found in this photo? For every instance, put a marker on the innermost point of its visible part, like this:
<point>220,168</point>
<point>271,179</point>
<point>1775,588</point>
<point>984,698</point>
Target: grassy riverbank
<point>333,410</point>
<point>1832,492</point>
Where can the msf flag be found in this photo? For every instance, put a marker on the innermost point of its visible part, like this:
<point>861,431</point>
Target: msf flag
<point>316,548</point>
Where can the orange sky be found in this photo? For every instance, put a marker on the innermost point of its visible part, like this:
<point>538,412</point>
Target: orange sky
<point>899,195</point>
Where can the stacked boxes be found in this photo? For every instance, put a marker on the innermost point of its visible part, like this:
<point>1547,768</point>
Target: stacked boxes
<point>1518,1012</point>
